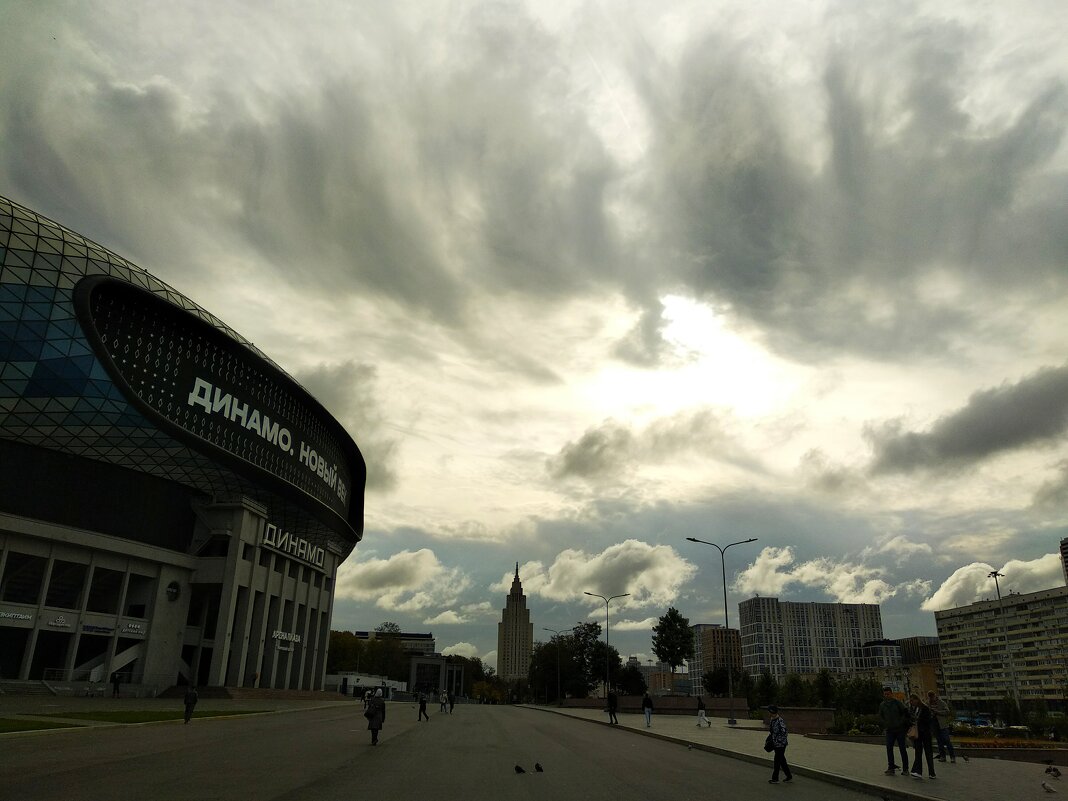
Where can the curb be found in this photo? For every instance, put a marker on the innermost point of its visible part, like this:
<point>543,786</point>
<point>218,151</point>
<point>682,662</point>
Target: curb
<point>886,793</point>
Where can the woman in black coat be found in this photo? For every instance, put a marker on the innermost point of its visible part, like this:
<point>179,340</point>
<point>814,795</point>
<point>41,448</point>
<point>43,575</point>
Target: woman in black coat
<point>376,715</point>
<point>921,743</point>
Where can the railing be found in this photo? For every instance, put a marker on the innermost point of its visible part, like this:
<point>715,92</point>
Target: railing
<point>81,681</point>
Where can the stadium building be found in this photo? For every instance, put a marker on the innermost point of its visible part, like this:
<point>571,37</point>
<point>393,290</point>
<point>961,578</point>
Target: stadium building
<point>173,506</point>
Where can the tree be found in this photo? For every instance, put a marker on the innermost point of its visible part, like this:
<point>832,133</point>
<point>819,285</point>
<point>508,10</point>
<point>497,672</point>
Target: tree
<point>345,652</point>
<point>795,691</point>
<point>631,680</point>
<point>388,627</point>
<point>823,689</point>
<point>673,639</point>
<point>767,689</point>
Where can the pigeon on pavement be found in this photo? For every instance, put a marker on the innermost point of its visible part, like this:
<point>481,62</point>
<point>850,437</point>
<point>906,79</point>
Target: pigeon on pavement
<point>1047,788</point>
<point>519,769</point>
<point>538,767</point>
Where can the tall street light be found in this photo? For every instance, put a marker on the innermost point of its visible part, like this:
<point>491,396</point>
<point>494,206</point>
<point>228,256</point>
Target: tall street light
<point>607,601</point>
<point>1005,625</point>
<point>559,634</point>
<point>726,622</point>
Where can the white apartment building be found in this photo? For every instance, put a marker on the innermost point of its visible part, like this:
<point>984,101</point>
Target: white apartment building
<point>797,637</point>
<point>978,667</point>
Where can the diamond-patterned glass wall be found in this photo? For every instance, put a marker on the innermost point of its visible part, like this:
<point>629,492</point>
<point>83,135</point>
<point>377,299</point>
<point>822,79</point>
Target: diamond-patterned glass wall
<point>55,393</point>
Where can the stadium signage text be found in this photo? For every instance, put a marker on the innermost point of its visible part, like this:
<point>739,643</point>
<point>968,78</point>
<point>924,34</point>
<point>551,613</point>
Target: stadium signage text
<point>292,545</point>
<point>215,400</point>
<point>286,636</point>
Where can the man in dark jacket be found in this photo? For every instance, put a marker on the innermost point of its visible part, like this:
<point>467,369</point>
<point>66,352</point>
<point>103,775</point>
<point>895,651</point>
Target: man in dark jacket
<point>896,720</point>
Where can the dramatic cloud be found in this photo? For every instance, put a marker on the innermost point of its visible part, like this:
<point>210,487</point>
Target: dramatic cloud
<point>464,649</point>
<point>581,284</point>
<point>1032,412</point>
<point>972,582</point>
<point>466,614</point>
<point>611,449</point>
<point>774,571</point>
<point>348,391</point>
<point>408,581</point>
<point>652,574</point>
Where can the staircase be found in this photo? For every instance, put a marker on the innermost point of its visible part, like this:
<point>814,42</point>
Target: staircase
<point>12,687</point>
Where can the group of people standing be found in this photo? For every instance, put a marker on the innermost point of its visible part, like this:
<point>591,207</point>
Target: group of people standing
<point>916,722</point>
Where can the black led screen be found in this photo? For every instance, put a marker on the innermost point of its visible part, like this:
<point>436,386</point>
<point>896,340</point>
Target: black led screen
<point>212,392</point>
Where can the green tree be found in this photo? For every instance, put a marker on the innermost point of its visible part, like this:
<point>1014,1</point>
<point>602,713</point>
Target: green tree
<point>795,691</point>
<point>388,627</point>
<point>631,680</point>
<point>345,650</point>
<point>673,639</point>
<point>767,689</point>
<point>859,696</point>
<point>716,682</point>
<point>824,689</point>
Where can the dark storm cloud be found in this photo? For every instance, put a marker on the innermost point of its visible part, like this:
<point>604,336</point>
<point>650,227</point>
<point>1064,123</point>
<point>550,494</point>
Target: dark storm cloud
<point>1032,412</point>
<point>611,450</point>
<point>348,391</point>
<point>1053,494</point>
<point>832,256</point>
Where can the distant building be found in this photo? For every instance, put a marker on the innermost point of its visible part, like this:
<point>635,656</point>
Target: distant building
<point>660,680</point>
<point>1064,558</point>
<point>434,674</point>
<point>411,643</point>
<point>979,669</point>
<point>786,637</point>
<point>515,635</point>
<point>713,647</point>
<point>919,650</point>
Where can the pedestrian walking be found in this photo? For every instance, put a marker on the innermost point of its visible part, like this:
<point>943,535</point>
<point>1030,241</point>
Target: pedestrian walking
<point>422,708</point>
<point>443,706</point>
<point>779,741</point>
<point>701,719</point>
<point>452,701</point>
<point>116,680</point>
<point>941,721</point>
<point>191,699</point>
<point>375,714</point>
<point>920,733</point>
<point>613,705</point>
<point>896,719</point>
<point>647,709</point>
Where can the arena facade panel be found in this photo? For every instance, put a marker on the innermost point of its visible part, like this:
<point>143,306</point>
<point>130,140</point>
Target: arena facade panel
<point>173,505</point>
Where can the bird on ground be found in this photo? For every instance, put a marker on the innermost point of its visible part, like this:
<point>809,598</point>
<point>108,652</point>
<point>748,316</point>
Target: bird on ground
<point>519,769</point>
<point>964,758</point>
<point>689,747</point>
<point>1052,771</point>
<point>1047,788</point>
<point>538,767</point>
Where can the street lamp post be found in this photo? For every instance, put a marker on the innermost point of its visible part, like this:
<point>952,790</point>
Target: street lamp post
<point>559,697</point>
<point>726,621</point>
<point>607,601</point>
<point>1005,625</point>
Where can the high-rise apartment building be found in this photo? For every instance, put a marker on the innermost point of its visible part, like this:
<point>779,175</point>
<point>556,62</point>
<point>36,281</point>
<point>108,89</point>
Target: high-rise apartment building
<point>1064,558</point>
<point>515,635</point>
<point>794,637</point>
<point>713,647</point>
<point>979,666</point>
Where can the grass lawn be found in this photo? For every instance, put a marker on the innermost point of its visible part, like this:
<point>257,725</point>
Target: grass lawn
<point>8,725</point>
<point>144,715</point>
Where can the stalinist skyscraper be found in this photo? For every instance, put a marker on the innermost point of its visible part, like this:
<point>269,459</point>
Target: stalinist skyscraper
<point>515,635</point>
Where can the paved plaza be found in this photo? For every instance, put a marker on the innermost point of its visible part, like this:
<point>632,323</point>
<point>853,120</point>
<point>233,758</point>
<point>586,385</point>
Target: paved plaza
<point>855,765</point>
<point>850,765</point>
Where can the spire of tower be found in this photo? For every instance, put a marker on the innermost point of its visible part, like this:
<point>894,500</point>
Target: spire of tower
<point>517,569</point>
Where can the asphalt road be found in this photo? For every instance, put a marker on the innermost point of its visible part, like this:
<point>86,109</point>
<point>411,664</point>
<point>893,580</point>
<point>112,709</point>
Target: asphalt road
<point>325,754</point>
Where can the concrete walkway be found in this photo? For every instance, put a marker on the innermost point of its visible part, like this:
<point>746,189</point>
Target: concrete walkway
<point>856,765</point>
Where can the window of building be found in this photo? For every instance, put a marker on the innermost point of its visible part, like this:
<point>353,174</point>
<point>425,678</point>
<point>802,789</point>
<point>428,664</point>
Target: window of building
<point>23,577</point>
<point>66,585</point>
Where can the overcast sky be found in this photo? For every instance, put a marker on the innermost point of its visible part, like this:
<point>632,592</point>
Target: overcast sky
<point>585,279</point>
